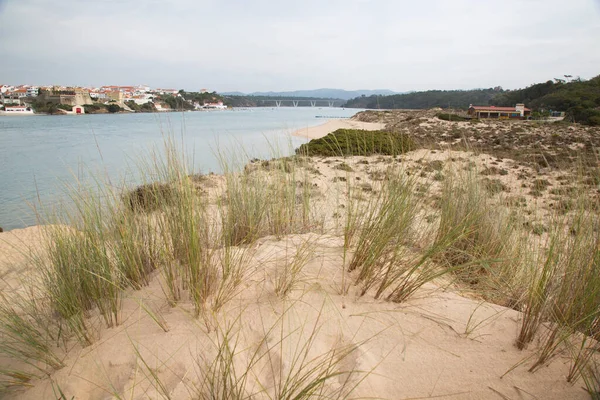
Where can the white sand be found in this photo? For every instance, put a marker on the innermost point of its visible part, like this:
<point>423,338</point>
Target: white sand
<point>319,131</point>
<point>16,249</point>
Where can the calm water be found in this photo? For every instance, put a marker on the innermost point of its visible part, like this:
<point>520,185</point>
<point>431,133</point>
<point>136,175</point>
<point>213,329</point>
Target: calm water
<point>39,154</point>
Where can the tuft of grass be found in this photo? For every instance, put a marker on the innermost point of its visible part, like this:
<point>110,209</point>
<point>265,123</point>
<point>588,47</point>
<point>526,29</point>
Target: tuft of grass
<point>274,202</point>
<point>245,200</point>
<point>137,249</point>
<point>574,303</point>
<point>591,379</point>
<point>384,230</point>
<point>79,275</point>
<point>539,291</point>
<point>489,250</point>
<point>27,340</point>
<point>283,365</point>
<point>289,277</point>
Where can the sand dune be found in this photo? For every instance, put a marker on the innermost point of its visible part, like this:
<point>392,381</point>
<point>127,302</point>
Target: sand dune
<point>438,344</point>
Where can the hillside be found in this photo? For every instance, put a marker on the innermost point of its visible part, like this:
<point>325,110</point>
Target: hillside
<point>317,93</point>
<point>580,99</point>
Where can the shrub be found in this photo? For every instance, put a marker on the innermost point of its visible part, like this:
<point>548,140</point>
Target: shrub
<point>92,107</point>
<point>451,117</point>
<point>148,197</point>
<point>113,108</point>
<point>349,142</point>
<point>584,115</point>
<point>487,250</point>
<point>65,107</point>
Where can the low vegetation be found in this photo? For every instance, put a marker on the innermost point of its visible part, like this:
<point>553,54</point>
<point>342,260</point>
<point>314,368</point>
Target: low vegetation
<point>450,117</point>
<point>346,142</point>
<point>146,107</point>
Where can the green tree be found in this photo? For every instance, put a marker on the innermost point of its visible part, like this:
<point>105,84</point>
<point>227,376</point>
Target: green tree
<point>113,108</point>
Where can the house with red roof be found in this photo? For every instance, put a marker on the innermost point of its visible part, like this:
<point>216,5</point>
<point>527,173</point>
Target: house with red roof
<point>20,92</point>
<point>517,112</point>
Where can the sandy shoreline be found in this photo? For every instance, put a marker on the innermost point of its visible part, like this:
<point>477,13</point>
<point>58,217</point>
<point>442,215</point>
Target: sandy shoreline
<point>316,132</point>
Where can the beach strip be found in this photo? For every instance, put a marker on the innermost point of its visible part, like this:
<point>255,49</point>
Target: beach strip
<point>316,132</point>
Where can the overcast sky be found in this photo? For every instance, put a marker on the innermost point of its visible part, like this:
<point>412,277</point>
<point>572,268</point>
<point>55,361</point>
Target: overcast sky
<point>256,45</point>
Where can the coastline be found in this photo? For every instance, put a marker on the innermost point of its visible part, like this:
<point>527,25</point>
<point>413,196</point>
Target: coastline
<point>316,132</point>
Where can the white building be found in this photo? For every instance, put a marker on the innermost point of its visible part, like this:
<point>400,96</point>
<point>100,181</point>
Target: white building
<point>142,99</point>
<point>32,91</point>
<point>17,110</point>
<point>78,110</point>
<point>215,106</point>
<point>167,91</point>
<point>98,95</point>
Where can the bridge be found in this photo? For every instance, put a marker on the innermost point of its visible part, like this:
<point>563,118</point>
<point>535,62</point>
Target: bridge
<point>302,102</point>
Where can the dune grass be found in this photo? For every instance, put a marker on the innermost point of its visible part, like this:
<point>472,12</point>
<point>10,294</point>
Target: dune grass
<point>115,239</point>
<point>290,275</point>
<point>574,284</point>
<point>591,379</point>
<point>285,364</point>
<point>27,339</point>
<point>490,249</point>
<point>257,204</point>
<point>384,230</point>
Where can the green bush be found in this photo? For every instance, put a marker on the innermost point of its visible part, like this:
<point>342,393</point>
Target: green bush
<point>149,197</point>
<point>451,117</point>
<point>65,107</point>
<point>594,121</point>
<point>113,108</point>
<point>92,107</point>
<point>348,142</point>
<point>586,116</point>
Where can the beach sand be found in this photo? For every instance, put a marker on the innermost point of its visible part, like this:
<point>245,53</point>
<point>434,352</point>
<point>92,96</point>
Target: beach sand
<point>316,132</point>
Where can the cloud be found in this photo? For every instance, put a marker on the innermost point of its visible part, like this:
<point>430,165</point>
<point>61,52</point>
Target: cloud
<point>275,45</point>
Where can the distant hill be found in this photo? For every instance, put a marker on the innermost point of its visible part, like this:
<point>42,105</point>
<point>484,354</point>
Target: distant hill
<point>317,93</point>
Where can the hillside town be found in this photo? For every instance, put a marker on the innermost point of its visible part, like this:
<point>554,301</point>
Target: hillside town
<point>28,99</point>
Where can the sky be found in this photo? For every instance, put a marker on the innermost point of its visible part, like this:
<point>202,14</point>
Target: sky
<point>261,45</point>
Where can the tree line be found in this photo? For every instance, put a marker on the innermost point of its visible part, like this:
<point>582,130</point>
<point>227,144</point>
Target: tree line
<point>580,99</point>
